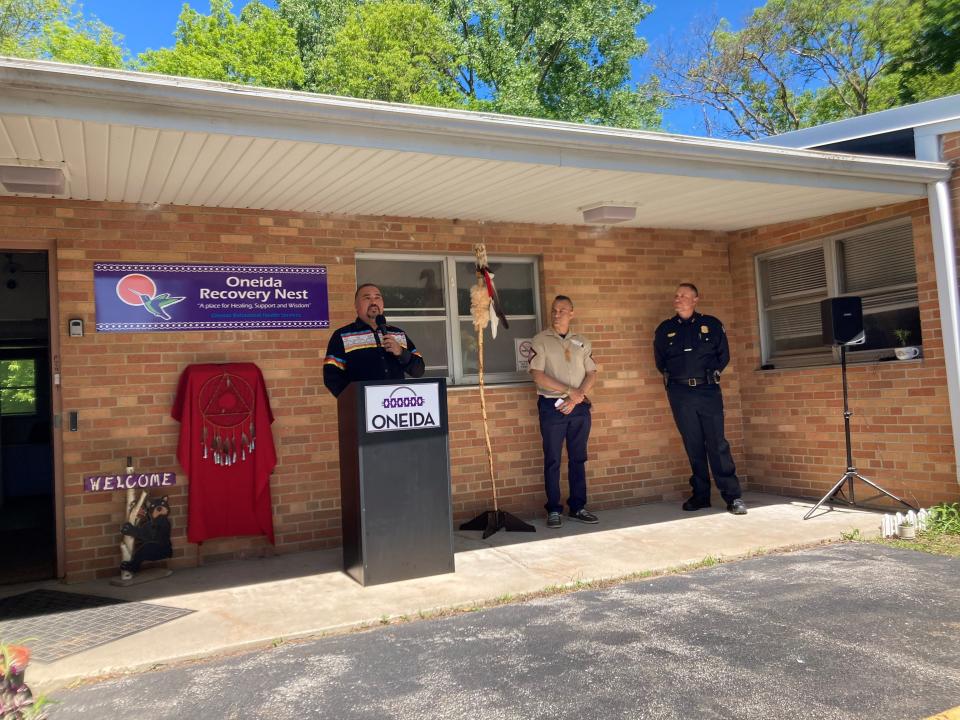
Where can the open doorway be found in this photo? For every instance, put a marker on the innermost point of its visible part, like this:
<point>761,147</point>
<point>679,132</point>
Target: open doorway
<point>27,487</point>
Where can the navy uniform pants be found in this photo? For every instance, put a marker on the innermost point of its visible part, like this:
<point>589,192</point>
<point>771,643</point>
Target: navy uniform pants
<point>698,412</point>
<point>557,429</point>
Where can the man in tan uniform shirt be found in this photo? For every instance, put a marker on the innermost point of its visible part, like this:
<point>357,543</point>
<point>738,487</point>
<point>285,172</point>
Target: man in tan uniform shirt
<point>562,367</point>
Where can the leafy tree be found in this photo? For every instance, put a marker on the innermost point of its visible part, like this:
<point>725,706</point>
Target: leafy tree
<point>17,386</point>
<point>396,50</point>
<point>560,59</point>
<point>84,42</point>
<point>51,30</point>
<point>796,63</point>
<point>929,63</point>
<point>315,23</point>
<point>22,23</point>
<point>257,47</point>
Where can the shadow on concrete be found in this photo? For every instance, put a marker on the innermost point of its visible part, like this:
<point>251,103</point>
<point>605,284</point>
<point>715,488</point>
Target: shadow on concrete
<point>250,572</point>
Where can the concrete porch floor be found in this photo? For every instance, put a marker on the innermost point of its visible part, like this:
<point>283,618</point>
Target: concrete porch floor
<point>254,603</point>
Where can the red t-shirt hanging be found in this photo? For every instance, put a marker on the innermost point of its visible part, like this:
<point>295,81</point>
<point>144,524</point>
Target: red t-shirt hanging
<point>226,449</point>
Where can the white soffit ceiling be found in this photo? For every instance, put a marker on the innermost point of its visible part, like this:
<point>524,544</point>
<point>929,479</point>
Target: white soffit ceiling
<point>138,138</point>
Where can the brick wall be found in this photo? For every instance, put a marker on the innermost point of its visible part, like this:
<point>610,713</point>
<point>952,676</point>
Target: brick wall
<point>793,418</point>
<point>785,426</point>
<point>123,384</point>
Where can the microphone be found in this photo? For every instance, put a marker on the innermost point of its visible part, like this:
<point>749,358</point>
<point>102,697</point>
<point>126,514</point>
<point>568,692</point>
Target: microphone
<point>381,329</point>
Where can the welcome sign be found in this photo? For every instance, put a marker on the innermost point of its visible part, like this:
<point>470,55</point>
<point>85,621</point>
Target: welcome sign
<point>402,407</point>
<point>143,481</point>
<point>166,297</point>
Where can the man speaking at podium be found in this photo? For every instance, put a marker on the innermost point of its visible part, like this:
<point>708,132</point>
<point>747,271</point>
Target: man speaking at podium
<point>368,348</point>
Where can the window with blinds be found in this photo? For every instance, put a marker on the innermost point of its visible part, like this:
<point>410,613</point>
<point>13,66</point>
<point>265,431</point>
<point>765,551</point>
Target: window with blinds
<point>875,263</point>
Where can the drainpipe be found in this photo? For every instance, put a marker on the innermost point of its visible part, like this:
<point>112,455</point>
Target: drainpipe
<point>944,254</point>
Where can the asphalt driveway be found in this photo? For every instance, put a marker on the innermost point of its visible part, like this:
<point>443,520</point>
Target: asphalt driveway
<point>844,631</point>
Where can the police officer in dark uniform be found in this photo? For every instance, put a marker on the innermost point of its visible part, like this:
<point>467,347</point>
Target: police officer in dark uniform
<point>366,350</point>
<point>691,351</point>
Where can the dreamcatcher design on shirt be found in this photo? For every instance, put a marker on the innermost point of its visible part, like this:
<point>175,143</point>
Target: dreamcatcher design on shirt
<point>226,408</point>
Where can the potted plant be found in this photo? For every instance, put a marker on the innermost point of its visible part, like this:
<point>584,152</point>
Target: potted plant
<point>905,352</point>
<point>906,530</point>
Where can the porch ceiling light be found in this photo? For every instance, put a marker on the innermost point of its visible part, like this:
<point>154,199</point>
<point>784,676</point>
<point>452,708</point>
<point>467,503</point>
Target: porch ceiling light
<point>608,213</point>
<point>33,180</point>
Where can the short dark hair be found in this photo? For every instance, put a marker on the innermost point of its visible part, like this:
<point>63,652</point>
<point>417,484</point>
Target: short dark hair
<point>691,286</point>
<point>563,298</point>
<point>361,287</point>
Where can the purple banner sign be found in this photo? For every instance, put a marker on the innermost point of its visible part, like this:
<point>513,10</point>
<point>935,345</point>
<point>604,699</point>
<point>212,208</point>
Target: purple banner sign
<point>141,481</point>
<point>156,298</point>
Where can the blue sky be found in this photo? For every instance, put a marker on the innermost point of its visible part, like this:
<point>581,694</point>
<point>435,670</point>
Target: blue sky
<point>151,25</point>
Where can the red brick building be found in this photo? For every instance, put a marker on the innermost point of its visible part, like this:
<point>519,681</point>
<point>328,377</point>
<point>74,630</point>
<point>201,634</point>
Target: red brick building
<point>158,169</point>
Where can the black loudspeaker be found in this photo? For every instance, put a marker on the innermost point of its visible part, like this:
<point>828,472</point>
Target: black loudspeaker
<point>842,320</point>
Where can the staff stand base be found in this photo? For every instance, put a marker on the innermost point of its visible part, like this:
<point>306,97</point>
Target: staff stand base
<point>493,520</point>
<point>836,494</point>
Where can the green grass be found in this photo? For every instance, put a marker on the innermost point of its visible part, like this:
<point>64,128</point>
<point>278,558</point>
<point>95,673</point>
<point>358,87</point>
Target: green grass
<point>929,542</point>
<point>942,536</point>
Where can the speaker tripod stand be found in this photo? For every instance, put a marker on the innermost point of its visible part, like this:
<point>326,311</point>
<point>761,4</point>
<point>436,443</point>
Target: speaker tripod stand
<point>837,494</point>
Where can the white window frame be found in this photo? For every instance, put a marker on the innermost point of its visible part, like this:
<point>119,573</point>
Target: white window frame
<point>833,270</point>
<point>455,371</point>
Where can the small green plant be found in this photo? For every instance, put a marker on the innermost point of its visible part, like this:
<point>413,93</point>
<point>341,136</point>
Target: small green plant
<point>944,518</point>
<point>902,336</point>
<point>852,536</point>
<point>906,523</point>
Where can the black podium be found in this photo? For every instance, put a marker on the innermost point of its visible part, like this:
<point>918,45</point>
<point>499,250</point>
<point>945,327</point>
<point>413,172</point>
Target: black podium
<point>395,480</point>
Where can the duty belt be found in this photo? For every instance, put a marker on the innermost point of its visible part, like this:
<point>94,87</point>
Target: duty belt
<point>691,382</point>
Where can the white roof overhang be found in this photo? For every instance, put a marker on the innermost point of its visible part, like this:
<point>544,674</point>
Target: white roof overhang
<point>141,138</point>
<point>924,118</point>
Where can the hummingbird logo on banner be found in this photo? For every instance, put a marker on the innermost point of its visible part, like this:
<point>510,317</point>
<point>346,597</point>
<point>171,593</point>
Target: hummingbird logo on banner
<point>138,289</point>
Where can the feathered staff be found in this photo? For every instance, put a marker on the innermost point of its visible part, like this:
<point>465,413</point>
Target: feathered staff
<point>483,298</point>
<point>485,279</point>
